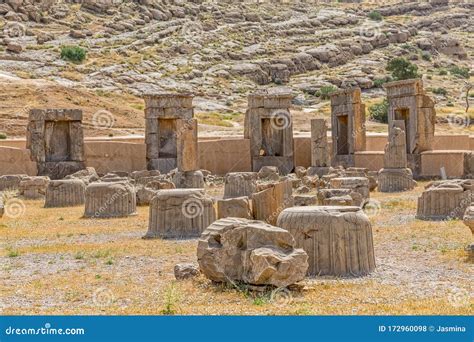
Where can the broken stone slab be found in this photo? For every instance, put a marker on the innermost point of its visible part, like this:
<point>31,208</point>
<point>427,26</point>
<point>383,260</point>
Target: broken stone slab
<point>357,184</point>
<point>395,180</point>
<point>188,179</point>
<point>305,200</point>
<point>237,250</point>
<point>186,271</point>
<point>269,173</point>
<point>234,207</point>
<point>337,239</point>
<point>268,203</point>
<point>180,213</point>
<point>88,175</point>
<point>33,187</point>
<point>11,182</point>
<point>146,192</point>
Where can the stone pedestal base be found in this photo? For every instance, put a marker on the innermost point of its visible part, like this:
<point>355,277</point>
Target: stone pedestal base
<point>395,180</point>
<point>65,193</point>
<point>238,184</point>
<point>319,171</point>
<point>59,170</point>
<point>180,213</point>
<point>106,200</point>
<point>338,240</point>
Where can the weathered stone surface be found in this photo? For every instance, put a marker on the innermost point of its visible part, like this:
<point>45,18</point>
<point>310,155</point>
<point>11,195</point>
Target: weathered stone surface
<point>65,193</point>
<point>395,180</point>
<point>319,171</point>
<point>180,213</point>
<point>146,192</point>
<point>443,200</point>
<point>56,141</point>
<point>33,187</point>
<point>10,182</point>
<point>239,184</point>
<point>356,184</point>
<point>88,175</point>
<point>319,144</point>
<point>267,204</point>
<point>110,199</point>
<point>234,207</point>
<point>268,125</point>
<point>305,200</point>
<point>468,217</point>
<point>338,240</point>
<point>395,156</point>
<point>252,252</point>
<point>188,179</point>
<point>347,125</point>
<point>185,271</point>
<point>2,207</point>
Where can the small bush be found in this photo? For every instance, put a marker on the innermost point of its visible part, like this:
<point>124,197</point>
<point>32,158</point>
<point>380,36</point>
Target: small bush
<point>402,69</point>
<point>3,136</point>
<point>381,81</point>
<point>459,71</point>
<point>426,56</point>
<point>325,91</point>
<point>374,15</point>
<point>442,72</point>
<point>73,53</point>
<point>440,91</point>
<point>379,112</point>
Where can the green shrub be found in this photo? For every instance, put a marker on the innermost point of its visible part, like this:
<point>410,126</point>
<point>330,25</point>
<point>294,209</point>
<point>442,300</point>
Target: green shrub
<point>402,69</point>
<point>379,111</point>
<point>73,53</point>
<point>374,15</point>
<point>3,136</point>
<point>442,72</point>
<point>440,91</point>
<point>325,91</point>
<point>459,71</point>
<point>381,81</point>
<point>426,56</point>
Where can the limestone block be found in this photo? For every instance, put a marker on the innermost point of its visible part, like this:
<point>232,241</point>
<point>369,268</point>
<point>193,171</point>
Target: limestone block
<point>180,213</point>
<point>10,182</point>
<point>239,184</point>
<point>395,180</point>
<point>88,175</point>
<point>234,207</point>
<point>187,145</point>
<point>185,271</point>
<point>338,240</point>
<point>59,170</point>
<point>305,200</point>
<point>443,200</point>
<point>146,192</point>
<point>65,193</point>
<point>269,173</point>
<point>319,143</point>
<point>319,171</point>
<point>33,187</point>
<point>267,204</point>
<point>188,179</point>
<point>357,184</point>
<point>395,155</point>
<point>238,250</point>
<point>110,199</point>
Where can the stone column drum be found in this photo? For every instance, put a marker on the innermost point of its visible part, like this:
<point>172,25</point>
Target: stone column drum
<point>238,184</point>
<point>110,199</point>
<point>65,193</point>
<point>338,239</point>
<point>180,213</point>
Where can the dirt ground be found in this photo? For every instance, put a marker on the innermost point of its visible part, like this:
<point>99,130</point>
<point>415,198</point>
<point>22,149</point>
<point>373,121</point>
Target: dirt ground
<point>55,262</point>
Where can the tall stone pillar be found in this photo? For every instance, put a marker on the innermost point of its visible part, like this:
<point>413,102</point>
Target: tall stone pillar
<point>320,164</point>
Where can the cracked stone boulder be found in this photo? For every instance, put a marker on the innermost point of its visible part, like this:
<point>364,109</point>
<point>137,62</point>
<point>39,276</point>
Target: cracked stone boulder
<point>251,252</point>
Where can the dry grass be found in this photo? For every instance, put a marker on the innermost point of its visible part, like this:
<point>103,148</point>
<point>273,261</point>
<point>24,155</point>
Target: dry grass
<point>55,262</point>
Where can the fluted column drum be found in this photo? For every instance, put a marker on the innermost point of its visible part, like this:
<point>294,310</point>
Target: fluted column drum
<point>337,239</point>
<point>110,199</point>
<point>238,184</point>
<point>65,193</point>
<point>443,202</point>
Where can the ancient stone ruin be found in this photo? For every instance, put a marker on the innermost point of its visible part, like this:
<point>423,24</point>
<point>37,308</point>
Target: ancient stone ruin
<point>110,199</point>
<point>408,102</point>
<point>444,200</point>
<point>170,132</point>
<point>238,184</point>
<point>236,250</point>
<point>180,213</point>
<point>234,207</point>
<point>396,176</point>
<point>33,187</point>
<point>268,125</point>
<point>56,141</point>
<point>65,193</point>
<point>348,126</point>
<point>271,200</point>
<point>359,187</point>
<point>338,240</point>
<point>10,182</point>
<point>320,163</point>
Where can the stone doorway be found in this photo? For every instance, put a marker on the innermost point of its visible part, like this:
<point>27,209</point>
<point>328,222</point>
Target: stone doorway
<point>403,114</point>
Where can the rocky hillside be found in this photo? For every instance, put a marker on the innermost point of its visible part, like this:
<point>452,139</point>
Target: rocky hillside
<point>221,50</point>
